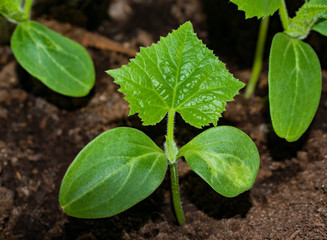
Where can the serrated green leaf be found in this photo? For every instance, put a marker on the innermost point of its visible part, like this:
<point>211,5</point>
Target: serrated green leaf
<point>318,2</point>
<point>321,27</point>
<point>112,173</point>
<point>225,157</point>
<point>61,64</point>
<point>294,82</point>
<point>257,8</point>
<point>178,74</point>
<point>300,26</point>
<point>11,9</point>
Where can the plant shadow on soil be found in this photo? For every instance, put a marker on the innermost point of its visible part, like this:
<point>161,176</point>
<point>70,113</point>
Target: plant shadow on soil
<point>36,87</point>
<point>114,227</point>
<point>198,192</point>
<point>282,154</point>
<point>210,202</point>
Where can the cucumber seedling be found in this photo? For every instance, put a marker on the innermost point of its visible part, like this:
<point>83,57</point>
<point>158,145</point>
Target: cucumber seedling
<point>58,62</point>
<point>294,78</point>
<point>123,166</point>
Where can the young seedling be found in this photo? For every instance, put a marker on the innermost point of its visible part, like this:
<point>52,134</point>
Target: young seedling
<point>123,166</point>
<point>61,64</point>
<point>294,78</point>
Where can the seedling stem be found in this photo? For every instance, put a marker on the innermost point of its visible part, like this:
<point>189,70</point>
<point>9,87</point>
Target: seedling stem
<point>174,173</point>
<point>258,57</point>
<point>175,194</point>
<point>28,5</point>
<point>170,127</point>
<point>283,14</point>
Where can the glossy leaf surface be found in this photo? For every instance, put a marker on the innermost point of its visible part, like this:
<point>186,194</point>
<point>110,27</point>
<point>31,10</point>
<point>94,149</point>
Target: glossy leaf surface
<point>294,86</point>
<point>178,74</point>
<point>225,157</point>
<point>112,173</point>
<point>61,64</point>
<point>11,9</point>
<point>257,8</point>
<point>300,26</point>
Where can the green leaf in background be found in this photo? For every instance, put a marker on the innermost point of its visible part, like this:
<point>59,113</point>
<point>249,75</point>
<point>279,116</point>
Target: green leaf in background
<point>178,74</point>
<point>257,8</point>
<point>225,157</point>
<point>300,26</point>
<point>12,10</point>
<point>61,64</point>
<point>321,2</point>
<point>321,27</point>
<point>294,82</point>
<point>112,173</point>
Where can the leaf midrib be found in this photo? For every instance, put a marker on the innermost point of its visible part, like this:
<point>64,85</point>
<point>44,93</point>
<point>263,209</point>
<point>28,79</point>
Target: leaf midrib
<point>147,88</point>
<point>123,184</point>
<point>60,49</point>
<point>159,150</point>
<point>294,44</point>
<point>133,160</point>
<point>44,50</point>
<point>178,70</point>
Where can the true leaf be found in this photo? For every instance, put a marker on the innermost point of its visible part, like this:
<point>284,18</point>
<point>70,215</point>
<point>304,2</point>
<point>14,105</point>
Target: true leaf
<point>294,86</point>
<point>11,9</point>
<point>257,8</point>
<point>61,64</point>
<point>305,18</point>
<point>112,173</point>
<point>225,157</point>
<point>320,2</point>
<point>178,74</point>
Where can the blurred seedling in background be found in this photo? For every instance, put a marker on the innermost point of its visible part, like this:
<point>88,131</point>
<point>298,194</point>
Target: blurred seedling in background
<point>294,77</point>
<point>60,63</point>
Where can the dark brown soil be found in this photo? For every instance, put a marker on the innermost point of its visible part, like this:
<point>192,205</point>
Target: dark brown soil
<point>41,133</point>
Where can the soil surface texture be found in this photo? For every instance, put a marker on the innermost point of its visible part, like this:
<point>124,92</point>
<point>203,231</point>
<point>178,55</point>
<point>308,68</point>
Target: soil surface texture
<point>41,132</point>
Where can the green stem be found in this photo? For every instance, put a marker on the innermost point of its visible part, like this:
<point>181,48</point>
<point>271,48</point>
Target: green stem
<point>283,14</point>
<point>174,174</point>
<point>27,8</point>
<point>258,57</point>
<point>175,194</point>
<point>170,128</point>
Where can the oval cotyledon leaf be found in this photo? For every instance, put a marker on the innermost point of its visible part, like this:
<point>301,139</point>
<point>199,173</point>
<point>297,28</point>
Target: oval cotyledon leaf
<point>294,83</point>
<point>177,74</point>
<point>225,157</point>
<point>60,63</point>
<point>112,173</point>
